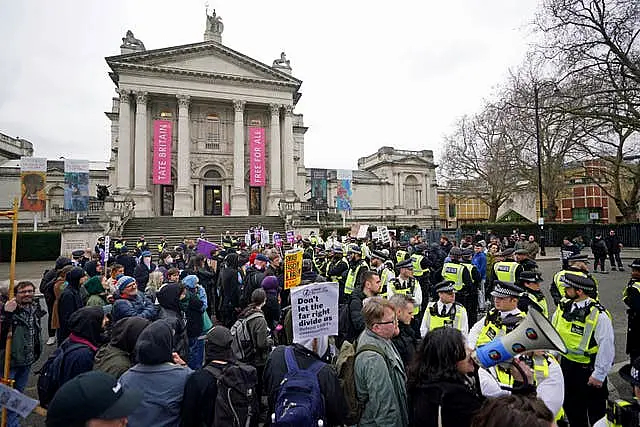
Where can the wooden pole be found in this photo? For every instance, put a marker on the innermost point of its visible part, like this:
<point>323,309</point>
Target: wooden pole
<point>12,275</point>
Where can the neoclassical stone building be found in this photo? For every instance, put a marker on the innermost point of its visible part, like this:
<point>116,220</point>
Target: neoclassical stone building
<point>214,96</point>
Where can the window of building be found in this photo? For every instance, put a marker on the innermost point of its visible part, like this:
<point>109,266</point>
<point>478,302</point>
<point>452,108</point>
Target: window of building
<point>213,132</point>
<point>452,210</point>
<point>166,114</point>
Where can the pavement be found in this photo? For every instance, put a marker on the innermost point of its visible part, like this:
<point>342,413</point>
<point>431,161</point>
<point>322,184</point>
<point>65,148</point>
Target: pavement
<point>611,286</point>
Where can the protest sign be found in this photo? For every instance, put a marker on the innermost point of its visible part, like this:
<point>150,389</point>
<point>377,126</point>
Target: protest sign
<point>383,233</point>
<point>314,310</point>
<point>277,240</point>
<point>247,239</point>
<point>264,237</point>
<point>290,236</point>
<point>292,268</point>
<point>107,244</point>
<point>17,402</point>
<point>362,231</point>
<point>205,247</point>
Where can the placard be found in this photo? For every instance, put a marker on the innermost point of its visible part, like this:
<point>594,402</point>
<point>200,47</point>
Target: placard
<point>107,244</point>
<point>314,310</point>
<point>292,268</point>
<point>12,399</point>
<point>205,247</point>
<point>362,231</point>
<point>277,239</point>
<point>290,236</point>
<point>383,234</point>
<point>33,177</point>
<point>264,237</point>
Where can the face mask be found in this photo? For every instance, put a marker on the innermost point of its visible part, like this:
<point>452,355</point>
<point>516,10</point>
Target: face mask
<point>168,260</point>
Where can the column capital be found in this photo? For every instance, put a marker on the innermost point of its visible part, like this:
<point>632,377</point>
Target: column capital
<point>288,110</point>
<point>238,105</point>
<point>142,97</point>
<point>275,109</point>
<point>183,100</point>
<point>124,95</point>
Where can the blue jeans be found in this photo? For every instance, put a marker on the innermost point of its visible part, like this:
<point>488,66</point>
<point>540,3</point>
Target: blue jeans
<point>20,375</point>
<point>196,353</point>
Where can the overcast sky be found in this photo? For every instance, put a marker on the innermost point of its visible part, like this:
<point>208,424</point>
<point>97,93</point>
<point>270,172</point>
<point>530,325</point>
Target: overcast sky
<point>374,73</point>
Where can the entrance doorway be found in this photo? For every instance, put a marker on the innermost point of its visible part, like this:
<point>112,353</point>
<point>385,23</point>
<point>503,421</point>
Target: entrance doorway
<point>213,200</point>
<point>166,194</point>
<point>255,201</point>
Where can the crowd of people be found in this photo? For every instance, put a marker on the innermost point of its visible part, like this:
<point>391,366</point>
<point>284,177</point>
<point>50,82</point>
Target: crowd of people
<point>206,339</point>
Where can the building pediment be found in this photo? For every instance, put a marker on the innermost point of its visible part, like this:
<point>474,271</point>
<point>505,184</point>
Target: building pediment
<point>205,59</point>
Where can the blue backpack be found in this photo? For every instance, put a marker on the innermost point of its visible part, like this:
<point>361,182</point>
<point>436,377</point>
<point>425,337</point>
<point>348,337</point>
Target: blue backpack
<point>299,402</point>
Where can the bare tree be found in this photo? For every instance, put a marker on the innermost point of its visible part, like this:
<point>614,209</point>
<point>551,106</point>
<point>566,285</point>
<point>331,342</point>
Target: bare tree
<point>481,159</point>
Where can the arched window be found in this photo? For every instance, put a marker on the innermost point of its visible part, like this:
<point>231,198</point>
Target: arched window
<point>212,174</point>
<point>412,193</point>
<point>213,132</point>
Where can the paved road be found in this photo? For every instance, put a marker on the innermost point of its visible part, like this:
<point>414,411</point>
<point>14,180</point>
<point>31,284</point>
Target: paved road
<point>611,286</point>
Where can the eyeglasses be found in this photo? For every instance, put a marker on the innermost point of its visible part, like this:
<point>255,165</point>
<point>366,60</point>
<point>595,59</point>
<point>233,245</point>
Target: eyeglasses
<point>27,292</point>
<point>394,321</point>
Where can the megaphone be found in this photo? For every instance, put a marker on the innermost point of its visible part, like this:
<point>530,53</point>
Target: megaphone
<point>534,333</point>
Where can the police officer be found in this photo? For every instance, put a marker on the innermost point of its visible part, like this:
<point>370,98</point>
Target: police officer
<point>406,284</point>
<point>379,265</point>
<point>576,264</point>
<point>532,295</point>
<point>624,413</point>
<point>319,261</point>
<point>118,244</point>
<point>141,246</point>
<point>460,275</point>
<point>357,267</point>
<point>631,297</point>
<point>507,270</point>
<point>337,269</point>
<point>586,329</point>
<point>445,311</point>
<point>503,318</point>
<point>401,253</point>
<point>162,245</point>
<point>522,258</point>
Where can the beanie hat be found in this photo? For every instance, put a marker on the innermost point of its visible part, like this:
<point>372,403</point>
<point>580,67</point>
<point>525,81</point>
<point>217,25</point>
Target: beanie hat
<point>270,285</point>
<point>123,282</point>
<point>190,281</point>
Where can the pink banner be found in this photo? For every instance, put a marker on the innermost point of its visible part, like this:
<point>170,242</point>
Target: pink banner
<point>162,152</point>
<point>256,157</point>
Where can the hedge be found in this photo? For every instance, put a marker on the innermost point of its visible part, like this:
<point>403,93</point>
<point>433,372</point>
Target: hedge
<point>31,246</point>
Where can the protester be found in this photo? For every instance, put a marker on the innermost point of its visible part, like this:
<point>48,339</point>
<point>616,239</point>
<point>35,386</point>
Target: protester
<point>231,280</point>
<point>307,353</point>
<point>70,301</point>
<point>143,269</point>
<point>129,302</point>
<point>161,373</point>
<point>128,262</point>
<point>118,356</point>
<point>92,399</point>
<point>440,382</point>
<point>156,279</point>
<point>271,308</point>
<point>58,286</point>
<point>599,251</point>
<point>370,288</point>
<point>47,288</point>
<point>116,271</point>
<point>97,293</point>
<point>86,326</point>
<point>613,247</point>
<point>171,310</point>
<point>195,305</point>
<point>513,410</point>
<point>407,339</point>
<point>379,374</point>
<point>253,277</point>
<point>24,315</point>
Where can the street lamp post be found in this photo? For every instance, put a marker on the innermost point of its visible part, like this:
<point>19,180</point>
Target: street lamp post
<point>537,116</point>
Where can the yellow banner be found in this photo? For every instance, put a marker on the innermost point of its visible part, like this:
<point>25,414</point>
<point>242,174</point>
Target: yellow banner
<point>292,268</point>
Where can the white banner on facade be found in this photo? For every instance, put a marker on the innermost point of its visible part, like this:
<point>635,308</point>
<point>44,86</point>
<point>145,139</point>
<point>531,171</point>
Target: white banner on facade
<point>33,164</point>
<point>344,174</point>
<point>314,310</point>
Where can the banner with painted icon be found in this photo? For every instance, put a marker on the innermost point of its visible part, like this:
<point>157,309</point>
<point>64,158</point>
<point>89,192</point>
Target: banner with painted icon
<point>343,197</point>
<point>33,177</point>
<point>76,185</point>
<point>319,185</point>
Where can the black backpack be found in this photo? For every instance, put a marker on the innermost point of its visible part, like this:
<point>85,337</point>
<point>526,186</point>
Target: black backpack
<point>346,331</point>
<point>49,380</point>
<point>236,403</point>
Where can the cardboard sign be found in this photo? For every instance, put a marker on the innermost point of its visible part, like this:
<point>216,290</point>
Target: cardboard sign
<point>247,239</point>
<point>383,233</point>
<point>314,310</point>
<point>292,268</point>
<point>17,402</point>
<point>290,236</point>
<point>107,244</point>
<point>264,237</point>
<point>277,240</point>
<point>362,231</point>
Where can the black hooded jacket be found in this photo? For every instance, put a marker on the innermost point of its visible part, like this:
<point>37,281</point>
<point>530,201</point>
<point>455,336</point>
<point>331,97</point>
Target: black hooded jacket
<point>169,299</point>
<point>155,344</point>
<point>80,348</point>
<point>70,302</point>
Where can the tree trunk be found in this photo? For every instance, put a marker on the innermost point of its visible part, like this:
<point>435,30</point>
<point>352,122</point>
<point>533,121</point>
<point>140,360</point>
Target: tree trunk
<point>493,211</point>
<point>629,213</point>
<point>552,210</point>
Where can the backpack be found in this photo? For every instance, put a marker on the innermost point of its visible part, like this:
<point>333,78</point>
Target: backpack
<point>251,283</point>
<point>242,344</point>
<point>237,402</point>
<point>299,401</point>
<point>49,380</point>
<point>346,331</point>
<point>345,366</point>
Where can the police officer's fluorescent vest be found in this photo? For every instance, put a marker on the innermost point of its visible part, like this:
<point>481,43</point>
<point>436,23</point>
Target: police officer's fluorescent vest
<point>331,265</point>
<point>350,283</point>
<point>118,245</point>
<point>408,291</point>
<point>313,240</point>
<point>625,292</point>
<point>400,255</point>
<point>365,251</point>
<point>496,327</point>
<point>452,320</point>
<point>505,271</point>
<point>557,280</point>
<point>540,301</point>
<point>416,260</point>
<point>540,372</point>
<point>622,413</point>
<point>453,272</point>
<point>385,278</point>
<point>161,246</point>
<point>578,333</point>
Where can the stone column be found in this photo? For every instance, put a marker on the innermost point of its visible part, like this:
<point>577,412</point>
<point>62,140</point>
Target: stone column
<point>239,195</point>
<point>141,149</point>
<point>123,179</point>
<point>183,198</point>
<point>275,162</point>
<point>289,164</point>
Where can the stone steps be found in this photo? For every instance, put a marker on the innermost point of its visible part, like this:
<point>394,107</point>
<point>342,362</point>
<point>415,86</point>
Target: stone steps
<point>175,229</point>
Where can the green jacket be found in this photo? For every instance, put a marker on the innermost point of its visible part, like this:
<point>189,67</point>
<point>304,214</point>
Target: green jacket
<point>381,384</point>
<point>23,351</point>
<point>112,360</point>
